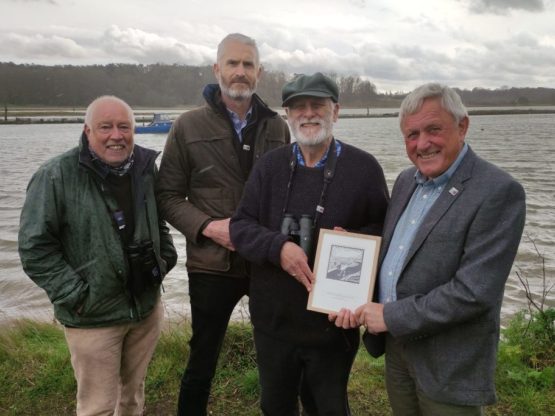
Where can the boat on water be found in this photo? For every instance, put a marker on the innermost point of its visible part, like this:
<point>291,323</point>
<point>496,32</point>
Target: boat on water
<point>161,123</point>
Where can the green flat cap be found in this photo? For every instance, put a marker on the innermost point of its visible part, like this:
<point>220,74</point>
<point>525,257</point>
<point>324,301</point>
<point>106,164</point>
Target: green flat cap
<point>316,85</point>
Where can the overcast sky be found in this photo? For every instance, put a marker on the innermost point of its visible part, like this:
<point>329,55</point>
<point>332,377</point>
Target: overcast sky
<point>396,44</point>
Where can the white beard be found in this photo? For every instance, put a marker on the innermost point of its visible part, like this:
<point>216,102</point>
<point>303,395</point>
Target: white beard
<point>314,139</point>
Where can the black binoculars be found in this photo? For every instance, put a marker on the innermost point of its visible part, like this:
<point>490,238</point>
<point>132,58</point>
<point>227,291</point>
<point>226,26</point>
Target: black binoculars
<point>299,230</point>
<point>144,270</point>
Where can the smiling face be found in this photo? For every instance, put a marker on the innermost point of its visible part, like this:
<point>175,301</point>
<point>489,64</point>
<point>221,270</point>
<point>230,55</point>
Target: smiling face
<point>433,139</point>
<point>311,119</point>
<point>237,70</point>
<point>110,131</point>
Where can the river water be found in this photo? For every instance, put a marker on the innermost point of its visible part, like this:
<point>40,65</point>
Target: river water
<point>523,145</point>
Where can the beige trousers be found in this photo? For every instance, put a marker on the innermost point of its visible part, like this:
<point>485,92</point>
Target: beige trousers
<point>110,365</point>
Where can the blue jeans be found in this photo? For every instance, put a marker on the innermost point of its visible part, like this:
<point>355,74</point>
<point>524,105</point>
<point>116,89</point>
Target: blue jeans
<point>213,298</point>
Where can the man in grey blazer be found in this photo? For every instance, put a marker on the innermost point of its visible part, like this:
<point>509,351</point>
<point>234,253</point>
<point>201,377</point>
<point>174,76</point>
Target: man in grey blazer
<point>450,237</point>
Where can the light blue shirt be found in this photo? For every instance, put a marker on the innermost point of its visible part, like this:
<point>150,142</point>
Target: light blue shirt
<point>239,124</point>
<point>322,162</point>
<point>422,200</point>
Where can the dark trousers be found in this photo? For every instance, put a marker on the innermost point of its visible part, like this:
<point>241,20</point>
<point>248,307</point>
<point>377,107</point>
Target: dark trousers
<point>323,373</point>
<point>405,398</point>
<point>213,298</point>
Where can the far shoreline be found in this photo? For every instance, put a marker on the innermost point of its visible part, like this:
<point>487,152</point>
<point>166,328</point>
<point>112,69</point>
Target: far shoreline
<point>69,118</point>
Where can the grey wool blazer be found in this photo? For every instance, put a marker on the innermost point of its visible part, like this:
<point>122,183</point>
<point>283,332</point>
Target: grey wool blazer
<point>450,290</point>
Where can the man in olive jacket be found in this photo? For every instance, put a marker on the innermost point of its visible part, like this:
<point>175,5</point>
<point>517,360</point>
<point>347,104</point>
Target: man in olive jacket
<point>90,236</point>
<point>208,156</point>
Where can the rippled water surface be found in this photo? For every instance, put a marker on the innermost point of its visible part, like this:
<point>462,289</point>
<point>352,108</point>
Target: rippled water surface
<point>523,145</point>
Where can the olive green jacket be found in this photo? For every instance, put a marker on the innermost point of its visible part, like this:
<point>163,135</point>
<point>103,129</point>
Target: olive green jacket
<point>70,246</point>
<point>201,178</point>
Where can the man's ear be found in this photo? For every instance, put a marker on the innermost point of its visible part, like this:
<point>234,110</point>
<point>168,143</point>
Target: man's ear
<point>463,127</point>
<point>335,112</point>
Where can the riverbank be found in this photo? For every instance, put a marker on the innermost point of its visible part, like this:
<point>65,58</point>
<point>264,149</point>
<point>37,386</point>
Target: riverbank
<point>38,379</point>
<point>78,118</point>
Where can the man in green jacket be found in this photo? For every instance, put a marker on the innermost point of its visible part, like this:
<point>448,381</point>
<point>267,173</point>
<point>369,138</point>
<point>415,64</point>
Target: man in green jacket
<point>90,236</point>
<point>208,156</point>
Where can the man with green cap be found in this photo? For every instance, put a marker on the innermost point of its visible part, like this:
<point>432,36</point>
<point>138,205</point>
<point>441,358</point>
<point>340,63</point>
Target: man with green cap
<point>316,182</point>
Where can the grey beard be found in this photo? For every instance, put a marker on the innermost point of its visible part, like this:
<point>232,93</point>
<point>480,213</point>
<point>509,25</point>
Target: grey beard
<point>236,95</point>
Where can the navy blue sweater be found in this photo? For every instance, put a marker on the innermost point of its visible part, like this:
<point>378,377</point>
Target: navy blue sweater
<point>356,200</point>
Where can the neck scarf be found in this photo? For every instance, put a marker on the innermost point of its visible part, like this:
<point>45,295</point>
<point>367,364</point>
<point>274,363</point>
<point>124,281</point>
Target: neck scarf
<point>116,170</point>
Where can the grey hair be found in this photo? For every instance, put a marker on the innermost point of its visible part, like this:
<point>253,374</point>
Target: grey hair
<point>92,106</point>
<point>238,37</point>
<point>450,101</point>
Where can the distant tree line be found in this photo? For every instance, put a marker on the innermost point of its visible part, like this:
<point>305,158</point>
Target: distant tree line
<point>175,85</point>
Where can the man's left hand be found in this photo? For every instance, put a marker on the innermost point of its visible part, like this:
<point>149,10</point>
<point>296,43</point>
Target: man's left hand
<point>371,316</point>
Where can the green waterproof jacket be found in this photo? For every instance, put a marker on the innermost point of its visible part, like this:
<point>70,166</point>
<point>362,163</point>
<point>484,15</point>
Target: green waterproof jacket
<point>70,245</point>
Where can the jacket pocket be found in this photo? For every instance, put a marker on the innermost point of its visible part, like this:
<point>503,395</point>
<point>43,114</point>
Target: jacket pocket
<point>215,202</point>
<point>207,256</point>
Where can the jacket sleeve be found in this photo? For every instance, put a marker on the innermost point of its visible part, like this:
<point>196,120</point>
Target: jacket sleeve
<point>173,188</point>
<point>253,241</point>
<point>40,246</point>
<point>167,249</point>
<point>378,194</point>
<point>480,272</point>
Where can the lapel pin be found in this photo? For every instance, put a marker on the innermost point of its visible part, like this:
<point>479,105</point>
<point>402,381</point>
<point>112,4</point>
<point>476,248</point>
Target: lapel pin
<point>453,191</point>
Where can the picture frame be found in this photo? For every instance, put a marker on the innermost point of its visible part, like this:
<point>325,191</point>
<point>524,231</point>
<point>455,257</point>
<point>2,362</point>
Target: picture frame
<point>345,270</point>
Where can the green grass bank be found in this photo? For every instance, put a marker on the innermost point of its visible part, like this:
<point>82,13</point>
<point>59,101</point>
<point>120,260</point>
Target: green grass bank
<point>37,378</point>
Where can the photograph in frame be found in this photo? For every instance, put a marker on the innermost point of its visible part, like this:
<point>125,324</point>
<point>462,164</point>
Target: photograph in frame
<point>344,270</point>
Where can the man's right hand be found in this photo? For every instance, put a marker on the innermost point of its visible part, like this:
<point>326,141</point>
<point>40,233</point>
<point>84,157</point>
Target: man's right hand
<point>294,261</point>
<point>218,231</point>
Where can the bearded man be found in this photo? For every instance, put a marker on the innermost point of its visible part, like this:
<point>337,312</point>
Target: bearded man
<point>208,156</point>
<point>335,185</point>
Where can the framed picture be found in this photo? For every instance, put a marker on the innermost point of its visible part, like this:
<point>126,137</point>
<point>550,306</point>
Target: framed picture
<point>344,269</point>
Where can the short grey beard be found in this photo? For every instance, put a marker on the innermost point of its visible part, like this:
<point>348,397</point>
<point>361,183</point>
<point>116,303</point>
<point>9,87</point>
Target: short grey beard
<point>236,95</point>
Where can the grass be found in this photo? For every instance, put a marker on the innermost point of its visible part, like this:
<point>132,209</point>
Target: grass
<point>37,377</point>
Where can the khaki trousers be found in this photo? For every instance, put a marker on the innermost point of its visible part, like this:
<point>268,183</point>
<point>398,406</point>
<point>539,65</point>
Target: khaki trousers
<point>110,365</point>
<point>405,398</point>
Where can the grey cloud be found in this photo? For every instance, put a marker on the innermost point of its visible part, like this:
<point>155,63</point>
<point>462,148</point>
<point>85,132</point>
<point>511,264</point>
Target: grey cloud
<point>521,61</point>
<point>520,57</point>
<point>148,48</point>
<point>504,6</point>
<point>358,3</point>
<point>40,46</point>
<point>53,2</point>
<point>394,66</point>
